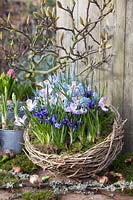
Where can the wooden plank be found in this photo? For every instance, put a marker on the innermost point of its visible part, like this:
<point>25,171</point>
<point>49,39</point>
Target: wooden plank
<point>119,54</point>
<point>81,9</point>
<point>64,21</point>
<point>105,74</point>
<point>128,78</point>
<point>1,7</point>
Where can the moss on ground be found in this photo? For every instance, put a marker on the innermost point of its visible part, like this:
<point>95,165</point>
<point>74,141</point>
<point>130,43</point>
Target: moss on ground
<point>119,165</point>
<point>39,195</point>
<point>7,178</point>
<point>129,192</point>
<point>19,160</point>
<point>126,169</point>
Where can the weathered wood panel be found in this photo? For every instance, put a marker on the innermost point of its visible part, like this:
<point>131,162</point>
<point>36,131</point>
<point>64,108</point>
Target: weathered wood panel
<point>64,21</point>
<point>1,7</point>
<point>128,77</point>
<point>119,54</point>
<point>118,74</point>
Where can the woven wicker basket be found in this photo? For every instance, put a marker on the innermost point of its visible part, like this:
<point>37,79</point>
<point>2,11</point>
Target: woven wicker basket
<point>81,165</point>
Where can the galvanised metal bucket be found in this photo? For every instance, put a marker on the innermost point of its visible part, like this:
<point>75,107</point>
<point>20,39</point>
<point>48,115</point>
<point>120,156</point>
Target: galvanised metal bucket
<point>11,139</point>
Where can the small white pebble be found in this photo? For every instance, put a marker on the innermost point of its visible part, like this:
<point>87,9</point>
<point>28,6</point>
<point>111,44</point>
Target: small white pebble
<point>34,179</point>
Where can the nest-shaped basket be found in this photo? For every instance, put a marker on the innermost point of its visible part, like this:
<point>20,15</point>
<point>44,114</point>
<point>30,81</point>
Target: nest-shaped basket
<point>81,165</point>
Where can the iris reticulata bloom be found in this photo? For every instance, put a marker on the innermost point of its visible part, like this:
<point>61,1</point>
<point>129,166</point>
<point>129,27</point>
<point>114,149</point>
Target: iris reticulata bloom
<point>63,108</point>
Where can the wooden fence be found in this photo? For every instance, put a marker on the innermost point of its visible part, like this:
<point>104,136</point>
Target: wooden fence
<point>119,76</point>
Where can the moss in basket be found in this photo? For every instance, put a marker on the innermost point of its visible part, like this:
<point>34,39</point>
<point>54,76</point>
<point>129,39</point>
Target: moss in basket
<point>20,160</point>
<point>106,121</point>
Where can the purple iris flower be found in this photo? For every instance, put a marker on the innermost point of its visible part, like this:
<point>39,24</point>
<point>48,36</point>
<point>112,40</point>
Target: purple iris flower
<point>65,86</point>
<point>53,100</point>
<point>47,120</point>
<point>71,108</point>
<point>72,126</point>
<point>42,93</point>
<point>80,111</point>
<point>95,96</point>
<point>31,104</point>
<point>57,125</point>
<point>65,102</point>
<point>54,119</point>
<point>79,122</point>
<point>20,121</point>
<point>65,121</point>
<point>103,104</point>
<point>76,92</point>
<point>84,101</point>
<point>44,112</point>
<point>88,93</point>
<point>81,88</point>
<point>75,99</point>
<point>55,79</point>
<point>36,113</point>
<point>40,116</point>
<point>92,104</point>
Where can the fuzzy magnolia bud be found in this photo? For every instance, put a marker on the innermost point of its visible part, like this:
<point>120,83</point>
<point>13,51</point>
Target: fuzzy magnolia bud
<point>59,4</point>
<point>81,21</point>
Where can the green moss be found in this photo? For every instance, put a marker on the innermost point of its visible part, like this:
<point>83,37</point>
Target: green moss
<point>19,160</point>
<point>40,195</point>
<point>126,169</point>
<point>129,192</point>
<point>7,178</point>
